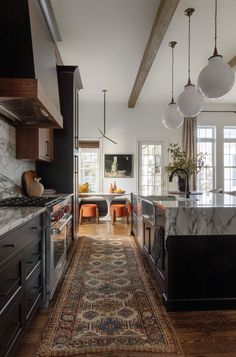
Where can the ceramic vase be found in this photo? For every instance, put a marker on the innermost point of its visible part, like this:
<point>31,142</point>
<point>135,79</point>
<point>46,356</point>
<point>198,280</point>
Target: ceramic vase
<point>35,188</point>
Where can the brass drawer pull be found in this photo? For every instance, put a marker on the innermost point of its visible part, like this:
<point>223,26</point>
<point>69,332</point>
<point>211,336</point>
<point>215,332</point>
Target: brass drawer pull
<point>9,245</point>
<point>34,228</point>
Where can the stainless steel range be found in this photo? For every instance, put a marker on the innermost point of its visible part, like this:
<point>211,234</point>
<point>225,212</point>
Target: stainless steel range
<point>58,234</point>
<point>58,238</point>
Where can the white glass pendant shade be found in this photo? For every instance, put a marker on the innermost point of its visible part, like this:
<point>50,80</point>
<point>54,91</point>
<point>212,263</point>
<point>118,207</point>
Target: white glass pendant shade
<point>172,118</point>
<point>216,79</point>
<point>190,101</point>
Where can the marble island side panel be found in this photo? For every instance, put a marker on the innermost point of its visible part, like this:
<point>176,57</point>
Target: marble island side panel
<point>211,214</point>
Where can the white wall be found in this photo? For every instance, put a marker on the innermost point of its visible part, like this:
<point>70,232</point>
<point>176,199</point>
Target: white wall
<point>127,126</point>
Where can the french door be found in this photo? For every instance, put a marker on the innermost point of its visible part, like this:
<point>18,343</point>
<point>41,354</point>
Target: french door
<point>151,166</point>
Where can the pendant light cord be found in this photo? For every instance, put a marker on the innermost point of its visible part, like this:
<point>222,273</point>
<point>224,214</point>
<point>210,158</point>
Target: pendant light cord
<point>189,12</point>
<point>215,49</point>
<point>172,84</point>
<point>172,44</point>
<point>189,48</point>
<point>104,109</point>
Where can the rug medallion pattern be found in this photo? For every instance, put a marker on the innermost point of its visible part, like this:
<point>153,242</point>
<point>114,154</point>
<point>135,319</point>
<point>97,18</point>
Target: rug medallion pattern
<point>107,306</point>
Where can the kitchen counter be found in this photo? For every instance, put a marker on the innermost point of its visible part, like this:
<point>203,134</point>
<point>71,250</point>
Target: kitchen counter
<point>191,247</point>
<point>206,214</point>
<point>12,217</point>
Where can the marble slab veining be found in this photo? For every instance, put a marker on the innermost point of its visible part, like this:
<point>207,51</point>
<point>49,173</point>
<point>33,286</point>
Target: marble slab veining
<point>12,217</point>
<point>9,165</point>
<point>210,214</point>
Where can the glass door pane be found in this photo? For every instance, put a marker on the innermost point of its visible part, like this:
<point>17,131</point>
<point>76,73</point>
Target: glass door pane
<point>150,168</point>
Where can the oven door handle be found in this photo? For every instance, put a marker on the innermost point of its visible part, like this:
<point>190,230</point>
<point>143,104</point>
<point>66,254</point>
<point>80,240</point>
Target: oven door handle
<point>57,230</point>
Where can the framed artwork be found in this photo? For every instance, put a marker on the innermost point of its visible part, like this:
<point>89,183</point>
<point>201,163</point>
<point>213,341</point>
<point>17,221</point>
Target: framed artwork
<point>118,165</point>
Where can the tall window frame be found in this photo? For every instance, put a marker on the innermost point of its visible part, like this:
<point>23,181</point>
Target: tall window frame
<point>229,147</point>
<point>206,143</point>
<point>90,167</point>
<point>151,174</point>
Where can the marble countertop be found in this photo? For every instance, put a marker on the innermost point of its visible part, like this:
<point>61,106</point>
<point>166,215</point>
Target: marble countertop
<point>207,199</point>
<point>206,214</point>
<point>12,217</point>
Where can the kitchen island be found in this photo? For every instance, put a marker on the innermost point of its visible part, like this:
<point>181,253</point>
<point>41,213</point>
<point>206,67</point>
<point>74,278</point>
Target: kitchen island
<point>191,248</point>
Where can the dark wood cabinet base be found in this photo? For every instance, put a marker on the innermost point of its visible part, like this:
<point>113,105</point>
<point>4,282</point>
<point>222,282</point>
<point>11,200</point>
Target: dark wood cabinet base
<point>200,273</point>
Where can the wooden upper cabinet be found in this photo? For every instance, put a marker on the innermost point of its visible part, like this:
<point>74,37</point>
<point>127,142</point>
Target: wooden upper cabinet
<point>34,144</point>
<point>45,144</point>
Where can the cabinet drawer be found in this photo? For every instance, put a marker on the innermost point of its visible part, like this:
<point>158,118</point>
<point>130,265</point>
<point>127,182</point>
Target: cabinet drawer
<point>33,289</point>
<point>11,327</point>
<point>17,240</point>
<point>160,216</point>
<point>32,256</point>
<point>10,281</point>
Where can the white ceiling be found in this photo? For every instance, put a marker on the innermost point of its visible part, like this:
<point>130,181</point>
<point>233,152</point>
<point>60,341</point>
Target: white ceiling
<point>107,38</point>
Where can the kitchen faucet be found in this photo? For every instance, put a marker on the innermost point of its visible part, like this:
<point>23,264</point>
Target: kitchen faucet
<point>187,192</point>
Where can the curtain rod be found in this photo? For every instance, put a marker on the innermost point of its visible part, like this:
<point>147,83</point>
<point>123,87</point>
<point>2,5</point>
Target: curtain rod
<point>218,111</point>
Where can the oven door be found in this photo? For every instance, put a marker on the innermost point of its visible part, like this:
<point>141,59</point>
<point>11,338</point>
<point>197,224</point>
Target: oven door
<point>58,252</point>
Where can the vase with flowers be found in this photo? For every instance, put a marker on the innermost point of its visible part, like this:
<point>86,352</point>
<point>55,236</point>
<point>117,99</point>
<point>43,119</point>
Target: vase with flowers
<point>180,160</point>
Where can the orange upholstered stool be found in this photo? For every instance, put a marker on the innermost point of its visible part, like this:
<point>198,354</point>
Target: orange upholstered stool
<point>119,210</point>
<point>89,210</point>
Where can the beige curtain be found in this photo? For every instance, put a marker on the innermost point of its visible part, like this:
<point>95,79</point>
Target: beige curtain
<point>189,143</point>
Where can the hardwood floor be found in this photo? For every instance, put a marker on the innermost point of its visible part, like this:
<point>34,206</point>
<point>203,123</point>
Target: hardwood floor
<point>201,334</point>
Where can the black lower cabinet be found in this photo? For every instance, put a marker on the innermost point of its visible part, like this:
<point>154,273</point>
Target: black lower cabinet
<point>21,281</point>
<point>155,249</point>
<point>192,272</point>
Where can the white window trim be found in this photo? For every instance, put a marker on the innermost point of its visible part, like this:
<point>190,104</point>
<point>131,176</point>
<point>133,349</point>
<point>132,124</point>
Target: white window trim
<point>214,151</point>
<point>227,140</point>
<point>100,158</point>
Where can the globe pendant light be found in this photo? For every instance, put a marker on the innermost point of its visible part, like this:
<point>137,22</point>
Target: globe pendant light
<point>172,118</point>
<point>190,101</point>
<point>217,78</point>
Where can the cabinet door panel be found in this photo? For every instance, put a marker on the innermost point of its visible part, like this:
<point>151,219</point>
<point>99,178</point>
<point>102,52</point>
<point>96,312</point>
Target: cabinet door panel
<point>14,241</point>
<point>32,256</point>
<point>33,289</point>
<point>147,236</point>
<point>45,144</point>
<point>76,119</point>
<point>10,281</point>
<point>11,327</point>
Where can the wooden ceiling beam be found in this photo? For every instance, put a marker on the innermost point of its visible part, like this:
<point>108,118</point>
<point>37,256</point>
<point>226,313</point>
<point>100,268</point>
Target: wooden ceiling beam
<point>232,62</point>
<point>162,20</point>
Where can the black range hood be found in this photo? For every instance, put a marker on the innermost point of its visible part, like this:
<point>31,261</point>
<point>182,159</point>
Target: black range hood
<point>28,76</point>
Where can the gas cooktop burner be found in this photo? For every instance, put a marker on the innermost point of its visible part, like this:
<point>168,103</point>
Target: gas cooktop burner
<point>29,201</point>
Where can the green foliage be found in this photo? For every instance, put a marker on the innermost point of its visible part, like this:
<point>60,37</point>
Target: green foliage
<point>180,160</point>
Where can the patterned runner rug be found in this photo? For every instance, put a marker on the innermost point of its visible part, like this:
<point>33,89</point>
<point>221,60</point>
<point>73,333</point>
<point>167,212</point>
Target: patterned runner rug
<point>107,306</point>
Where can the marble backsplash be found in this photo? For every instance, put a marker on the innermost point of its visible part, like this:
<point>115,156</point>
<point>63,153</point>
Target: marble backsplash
<point>11,169</point>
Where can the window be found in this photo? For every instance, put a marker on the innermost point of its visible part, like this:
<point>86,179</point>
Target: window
<point>229,158</point>
<point>150,168</point>
<point>206,144</point>
<point>89,166</point>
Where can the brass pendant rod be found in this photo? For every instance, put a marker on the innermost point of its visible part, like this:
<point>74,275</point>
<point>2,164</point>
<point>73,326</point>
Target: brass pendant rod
<point>188,12</point>
<point>104,118</point>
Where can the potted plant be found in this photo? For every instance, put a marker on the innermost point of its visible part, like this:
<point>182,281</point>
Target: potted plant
<point>179,160</point>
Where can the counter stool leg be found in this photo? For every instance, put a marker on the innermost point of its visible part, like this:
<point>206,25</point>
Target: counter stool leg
<point>80,215</point>
<point>97,215</point>
<point>112,215</point>
<point>127,216</point>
